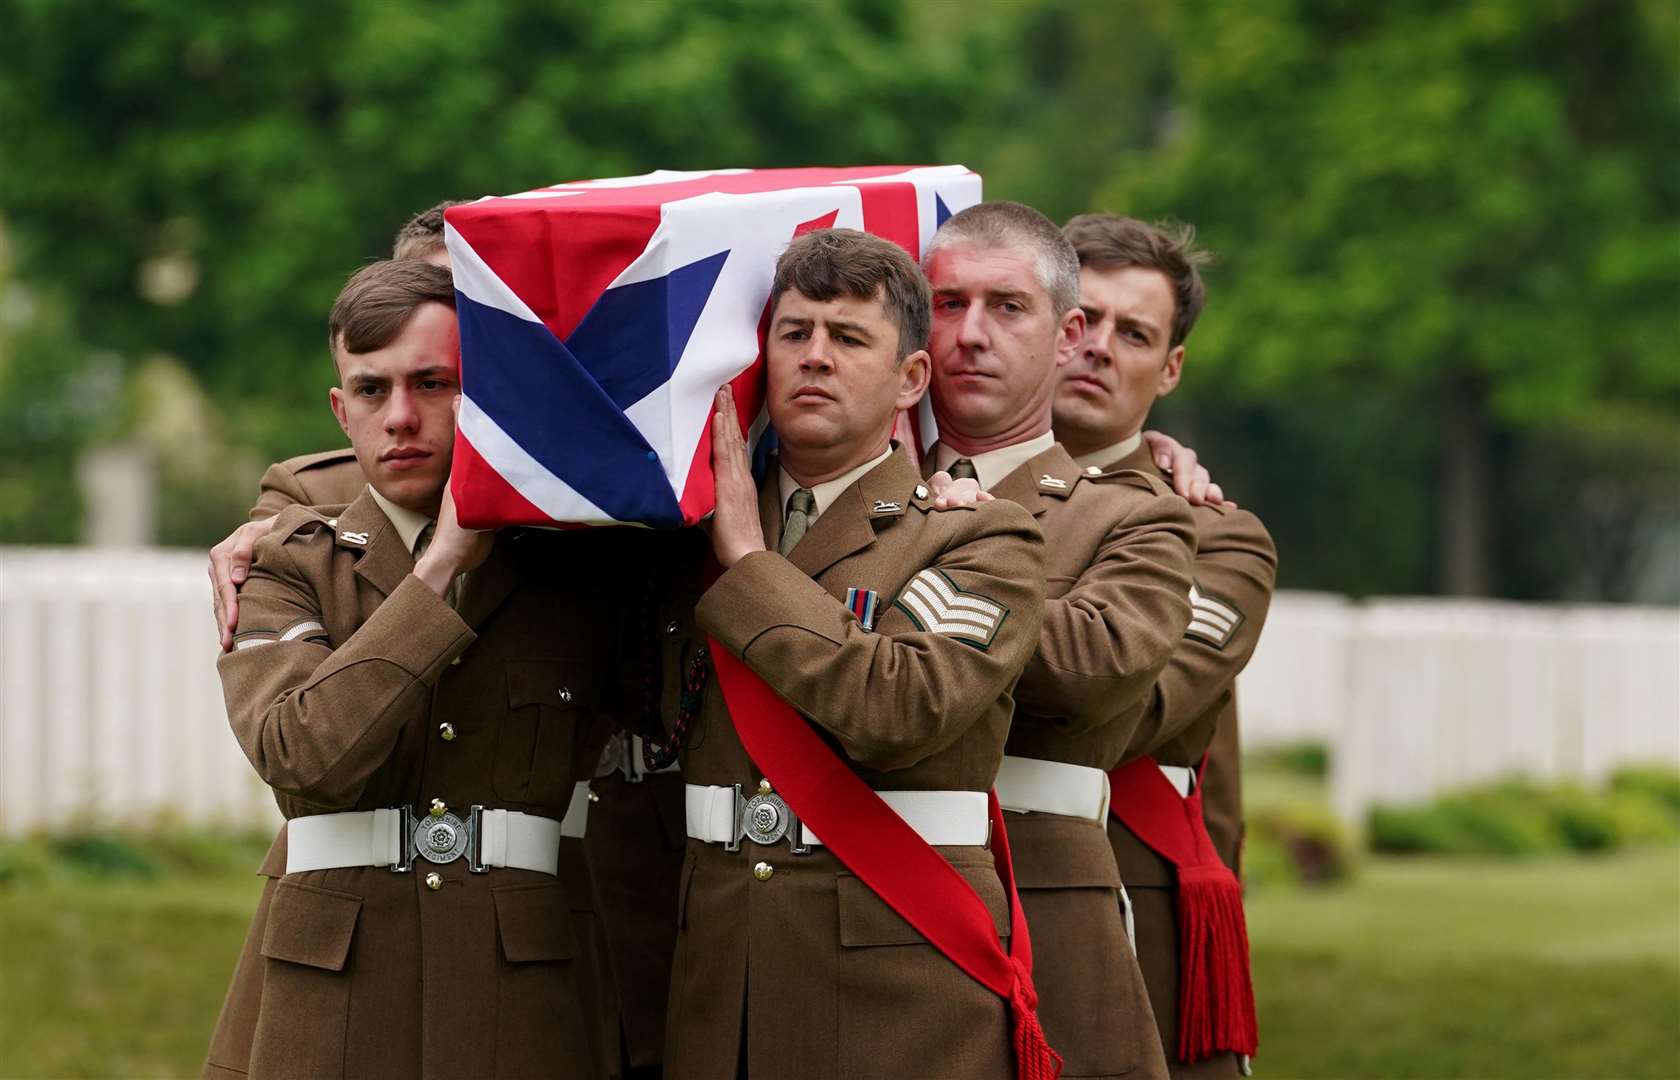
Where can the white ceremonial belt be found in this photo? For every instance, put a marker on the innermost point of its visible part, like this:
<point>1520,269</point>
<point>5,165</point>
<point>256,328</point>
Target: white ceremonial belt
<point>1179,776</point>
<point>724,815</point>
<point>398,836</point>
<point>1033,785</point>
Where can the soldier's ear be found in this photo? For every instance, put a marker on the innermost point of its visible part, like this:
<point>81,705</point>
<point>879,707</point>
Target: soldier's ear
<point>336,397</point>
<point>1171,371</point>
<point>1068,336</point>
<point>914,373</point>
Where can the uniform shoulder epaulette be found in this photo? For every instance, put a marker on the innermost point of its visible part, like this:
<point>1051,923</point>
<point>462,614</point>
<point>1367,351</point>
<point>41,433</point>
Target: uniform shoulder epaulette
<point>922,499</point>
<point>1136,478</point>
<point>324,459</point>
<point>298,521</point>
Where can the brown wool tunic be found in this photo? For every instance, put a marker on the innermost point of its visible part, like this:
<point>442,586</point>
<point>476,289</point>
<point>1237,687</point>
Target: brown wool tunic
<point>1118,551</point>
<point>627,943</point>
<point>360,971</point>
<point>1191,711</point>
<point>808,973</point>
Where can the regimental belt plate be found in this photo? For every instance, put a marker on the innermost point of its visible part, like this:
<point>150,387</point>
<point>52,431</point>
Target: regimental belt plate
<point>765,819</point>
<point>441,839</point>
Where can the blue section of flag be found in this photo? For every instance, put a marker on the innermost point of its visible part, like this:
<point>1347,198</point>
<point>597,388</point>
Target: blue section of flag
<point>940,211</point>
<point>633,336</point>
<point>548,402</point>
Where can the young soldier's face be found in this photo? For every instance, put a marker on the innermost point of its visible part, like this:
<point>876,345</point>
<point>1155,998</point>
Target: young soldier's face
<point>1123,362</point>
<point>396,403</point>
<point>996,341</point>
<point>835,382</point>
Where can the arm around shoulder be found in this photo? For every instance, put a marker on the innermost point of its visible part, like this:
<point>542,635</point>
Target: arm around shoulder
<point>315,721</point>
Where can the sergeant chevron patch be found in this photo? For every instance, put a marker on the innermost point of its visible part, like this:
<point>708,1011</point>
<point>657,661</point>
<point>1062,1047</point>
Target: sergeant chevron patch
<point>1212,619</point>
<point>935,604</point>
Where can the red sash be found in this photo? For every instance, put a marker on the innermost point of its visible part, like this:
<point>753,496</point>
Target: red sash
<point>1215,988</point>
<point>881,849</point>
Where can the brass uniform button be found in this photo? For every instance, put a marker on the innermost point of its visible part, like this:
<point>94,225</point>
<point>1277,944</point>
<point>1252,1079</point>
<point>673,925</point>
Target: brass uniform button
<point>672,627</point>
<point>764,786</point>
<point>455,662</point>
<point>439,808</point>
<point>565,694</point>
<point>434,881</point>
<point>446,731</point>
<point>764,871</point>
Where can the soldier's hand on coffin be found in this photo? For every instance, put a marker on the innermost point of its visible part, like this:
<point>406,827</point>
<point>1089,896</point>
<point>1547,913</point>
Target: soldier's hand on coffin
<point>736,531</point>
<point>230,562</point>
<point>454,550</point>
<point>1189,478</point>
<point>949,494</point>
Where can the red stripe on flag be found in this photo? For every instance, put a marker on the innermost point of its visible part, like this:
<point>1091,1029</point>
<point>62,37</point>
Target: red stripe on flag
<point>485,500</point>
<point>517,239</point>
<point>749,388</point>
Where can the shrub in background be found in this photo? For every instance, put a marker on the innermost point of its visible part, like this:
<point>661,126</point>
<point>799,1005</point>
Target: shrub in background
<point>1521,817</point>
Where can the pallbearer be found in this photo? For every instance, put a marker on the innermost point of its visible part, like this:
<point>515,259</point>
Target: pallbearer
<point>1141,292</point>
<point>1118,549</point>
<point>864,648</point>
<point>425,702</point>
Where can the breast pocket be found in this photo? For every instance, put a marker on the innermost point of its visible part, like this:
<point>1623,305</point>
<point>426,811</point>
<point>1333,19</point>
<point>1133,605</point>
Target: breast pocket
<point>548,704</point>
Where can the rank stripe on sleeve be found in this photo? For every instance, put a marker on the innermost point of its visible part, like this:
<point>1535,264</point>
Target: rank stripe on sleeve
<point>302,628</point>
<point>935,604</point>
<point>1212,619</point>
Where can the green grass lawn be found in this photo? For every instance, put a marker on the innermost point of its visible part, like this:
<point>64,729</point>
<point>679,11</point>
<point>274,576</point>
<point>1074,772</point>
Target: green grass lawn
<point>1558,967</point>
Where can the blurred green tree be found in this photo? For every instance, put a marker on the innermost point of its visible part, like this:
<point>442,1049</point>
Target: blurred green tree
<point>197,179</point>
<point>1464,220</point>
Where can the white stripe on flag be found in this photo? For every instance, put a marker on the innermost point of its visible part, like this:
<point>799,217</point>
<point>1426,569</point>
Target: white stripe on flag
<point>541,488</point>
<point>477,282</point>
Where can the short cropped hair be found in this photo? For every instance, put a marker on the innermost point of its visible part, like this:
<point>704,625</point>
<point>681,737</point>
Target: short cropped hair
<point>829,263</point>
<point>379,299</point>
<point>991,225</point>
<point>1112,242</point>
<point>422,234</point>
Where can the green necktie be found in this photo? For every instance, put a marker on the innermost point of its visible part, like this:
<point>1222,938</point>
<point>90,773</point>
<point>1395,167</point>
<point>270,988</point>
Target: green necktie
<point>963,469</point>
<point>800,506</point>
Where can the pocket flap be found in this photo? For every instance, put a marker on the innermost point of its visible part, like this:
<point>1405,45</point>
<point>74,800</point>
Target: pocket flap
<point>544,682</point>
<point>310,925</point>
<point>866,919</point>
<point>535,922</point>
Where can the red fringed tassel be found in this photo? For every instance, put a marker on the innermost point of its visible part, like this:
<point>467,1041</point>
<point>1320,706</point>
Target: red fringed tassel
<point>1034,1057</point>
<point>1215,991</point>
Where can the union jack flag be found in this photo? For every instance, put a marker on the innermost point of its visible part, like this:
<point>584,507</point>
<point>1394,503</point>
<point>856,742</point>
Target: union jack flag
<point>599,317</point>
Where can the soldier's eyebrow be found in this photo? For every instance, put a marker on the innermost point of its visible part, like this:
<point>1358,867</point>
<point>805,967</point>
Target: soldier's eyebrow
<point>793,322</point>
<point>433,372</point>
<point>362,378</point>
<point>853,329</point>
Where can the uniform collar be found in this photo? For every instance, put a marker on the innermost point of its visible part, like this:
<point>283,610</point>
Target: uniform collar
<point>829,490</point>
<point>1108,455</point>
<point>1049,474</point>
<point>993,465</point>
<point>873,501</point>
<point>409,523</point>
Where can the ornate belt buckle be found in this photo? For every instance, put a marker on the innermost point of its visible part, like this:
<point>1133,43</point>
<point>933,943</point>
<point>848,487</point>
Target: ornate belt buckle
<point>765,818</point>
<point>441,839</point>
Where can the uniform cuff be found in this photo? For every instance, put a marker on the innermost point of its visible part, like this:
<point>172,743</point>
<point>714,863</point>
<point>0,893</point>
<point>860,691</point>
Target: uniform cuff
<point>422,632</point>
<point>761,592</point>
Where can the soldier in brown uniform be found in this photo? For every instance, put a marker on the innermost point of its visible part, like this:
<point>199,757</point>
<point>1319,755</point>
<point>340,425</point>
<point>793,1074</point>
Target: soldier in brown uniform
<point>424,724</point>
<point>1118,548</point>
<point>898,633</point>
<point>1141,293</point>
<point>627,932</point>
